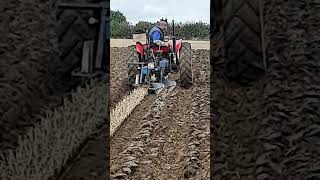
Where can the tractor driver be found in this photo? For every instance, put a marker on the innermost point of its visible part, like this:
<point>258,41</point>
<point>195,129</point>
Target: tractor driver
<point>156,34</point>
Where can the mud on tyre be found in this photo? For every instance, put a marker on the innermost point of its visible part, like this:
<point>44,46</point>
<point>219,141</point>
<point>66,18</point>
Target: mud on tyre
<point>72,30</point>
<point>185,66</point>
<point>239,40</point>
<point>132,69</point>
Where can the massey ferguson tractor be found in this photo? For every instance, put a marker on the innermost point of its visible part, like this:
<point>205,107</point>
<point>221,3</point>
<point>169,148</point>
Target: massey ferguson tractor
<point>151,65</point>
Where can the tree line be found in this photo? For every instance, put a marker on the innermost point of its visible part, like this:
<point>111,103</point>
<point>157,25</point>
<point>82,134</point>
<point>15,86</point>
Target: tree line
<point>121,28</point>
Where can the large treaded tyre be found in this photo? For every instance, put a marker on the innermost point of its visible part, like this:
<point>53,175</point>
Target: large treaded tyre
<point>73,29</point>
<point>132,69</point>
<point>185,66</point>
<point>239,49</point>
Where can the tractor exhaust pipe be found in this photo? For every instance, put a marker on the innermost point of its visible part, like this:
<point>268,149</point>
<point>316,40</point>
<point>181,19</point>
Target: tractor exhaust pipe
<point>174,42</point>
<point>172,27</point>
<point>174,38</point>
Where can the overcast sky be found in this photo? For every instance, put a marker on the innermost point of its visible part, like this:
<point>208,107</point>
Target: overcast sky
<point>153,10</point>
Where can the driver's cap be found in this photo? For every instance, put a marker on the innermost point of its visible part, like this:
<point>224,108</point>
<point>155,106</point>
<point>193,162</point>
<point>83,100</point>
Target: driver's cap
<point>163,22</point>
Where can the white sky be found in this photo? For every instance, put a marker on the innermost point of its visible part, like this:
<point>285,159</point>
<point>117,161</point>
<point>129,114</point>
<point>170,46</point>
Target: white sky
<point>153,10</point>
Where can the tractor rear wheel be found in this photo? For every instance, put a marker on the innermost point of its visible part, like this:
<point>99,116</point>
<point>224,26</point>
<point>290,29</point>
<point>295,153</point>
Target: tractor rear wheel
<point>239,51</point>
<point>72,30</point>
<point>132,69</point>
<point>185,65</point>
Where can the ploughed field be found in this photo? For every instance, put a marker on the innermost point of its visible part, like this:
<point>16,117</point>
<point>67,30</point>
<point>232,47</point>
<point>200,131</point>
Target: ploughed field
<point>165,137</point>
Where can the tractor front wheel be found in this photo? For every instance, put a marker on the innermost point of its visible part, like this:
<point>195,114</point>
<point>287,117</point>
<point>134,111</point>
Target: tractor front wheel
<point>185,66</point>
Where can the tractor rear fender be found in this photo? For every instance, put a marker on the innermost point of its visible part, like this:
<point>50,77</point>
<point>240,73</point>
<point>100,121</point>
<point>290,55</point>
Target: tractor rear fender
<point>139,48</point>
<point>178,45</point>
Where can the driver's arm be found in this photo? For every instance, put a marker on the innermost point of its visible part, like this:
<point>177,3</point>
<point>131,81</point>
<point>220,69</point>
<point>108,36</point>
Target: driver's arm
<point>156,39</point>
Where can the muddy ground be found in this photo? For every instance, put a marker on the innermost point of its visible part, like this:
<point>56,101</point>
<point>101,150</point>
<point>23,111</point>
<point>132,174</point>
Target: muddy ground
<point>170,138</point>
<point>26,67</point>
<point>30,73</point>
<point>270,130</point>
<point>166,137</point>
<point>118,75</point>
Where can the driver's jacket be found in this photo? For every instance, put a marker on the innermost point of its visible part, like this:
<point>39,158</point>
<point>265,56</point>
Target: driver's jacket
<point>156,36</point>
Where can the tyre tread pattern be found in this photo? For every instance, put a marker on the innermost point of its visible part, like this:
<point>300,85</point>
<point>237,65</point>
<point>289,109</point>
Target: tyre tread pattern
<point>132,69</point>
<point>242,60</point>
<point>185,70</point>
<point>72,31</point>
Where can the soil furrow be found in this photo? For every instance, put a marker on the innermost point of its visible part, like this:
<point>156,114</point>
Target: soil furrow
<point>155,142</point>
<point>166,151</point>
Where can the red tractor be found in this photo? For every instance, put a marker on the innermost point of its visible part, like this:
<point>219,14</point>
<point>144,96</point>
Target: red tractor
<point>151,65</point>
